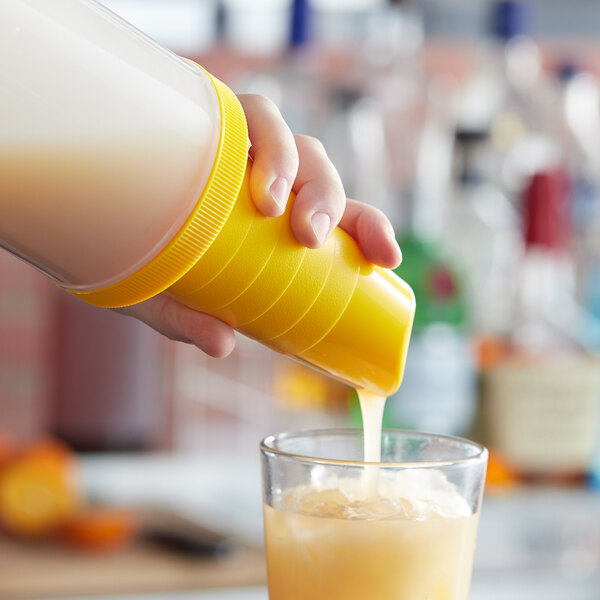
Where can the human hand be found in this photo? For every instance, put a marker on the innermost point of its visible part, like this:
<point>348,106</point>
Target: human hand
<point>283,162</point>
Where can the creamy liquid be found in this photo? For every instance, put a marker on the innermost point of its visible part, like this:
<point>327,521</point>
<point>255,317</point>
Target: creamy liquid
<point>87,212</point>
<point>414,541</point>
<point>371,406</point>
<point>327,558</point>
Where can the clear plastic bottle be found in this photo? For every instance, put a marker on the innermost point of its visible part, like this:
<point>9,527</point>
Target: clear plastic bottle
<point>90,104</point>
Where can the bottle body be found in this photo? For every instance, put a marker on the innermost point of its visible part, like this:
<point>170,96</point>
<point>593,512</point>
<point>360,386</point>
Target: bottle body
<point>98,121</point>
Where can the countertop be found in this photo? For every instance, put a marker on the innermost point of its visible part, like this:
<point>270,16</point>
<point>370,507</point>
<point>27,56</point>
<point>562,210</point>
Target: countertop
<point>532,587</point>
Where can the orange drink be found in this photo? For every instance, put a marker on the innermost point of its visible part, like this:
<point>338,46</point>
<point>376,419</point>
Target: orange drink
<point>330,536</point>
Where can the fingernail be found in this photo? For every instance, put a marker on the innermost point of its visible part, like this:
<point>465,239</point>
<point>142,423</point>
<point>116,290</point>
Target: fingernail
<point>280,190</point>
<point>390,231</point>
<point>320,222</point>
<point>399,250</point>
<point>392,236</point>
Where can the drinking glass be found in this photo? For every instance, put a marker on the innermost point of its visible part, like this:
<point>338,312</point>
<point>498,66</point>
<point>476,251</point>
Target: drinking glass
<point>339,528</point>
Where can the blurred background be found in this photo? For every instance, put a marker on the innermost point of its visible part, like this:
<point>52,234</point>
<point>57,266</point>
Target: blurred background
<point>475,125</point>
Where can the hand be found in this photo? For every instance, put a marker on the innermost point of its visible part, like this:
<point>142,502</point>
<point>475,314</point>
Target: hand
<point>282,162</point>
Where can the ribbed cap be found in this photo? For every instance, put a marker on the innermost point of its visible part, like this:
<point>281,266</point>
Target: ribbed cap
<point>202,226</point>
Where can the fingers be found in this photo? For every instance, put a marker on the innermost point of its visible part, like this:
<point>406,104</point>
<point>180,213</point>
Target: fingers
<point>320,197</point>
<point>274,153</point>
<point>180,323</point>
<point>373,232</point>
<point>284,162</point>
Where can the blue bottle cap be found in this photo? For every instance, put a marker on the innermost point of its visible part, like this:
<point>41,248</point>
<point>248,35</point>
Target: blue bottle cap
<point>567,70</point>
<point>511,18</point>
<point>300,25</point>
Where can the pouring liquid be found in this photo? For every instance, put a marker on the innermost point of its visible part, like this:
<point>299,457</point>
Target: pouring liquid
<point>371,406</point>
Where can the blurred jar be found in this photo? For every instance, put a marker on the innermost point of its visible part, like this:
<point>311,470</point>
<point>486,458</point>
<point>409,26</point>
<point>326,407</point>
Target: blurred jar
<point>26,320</point>
<point>543,414</point>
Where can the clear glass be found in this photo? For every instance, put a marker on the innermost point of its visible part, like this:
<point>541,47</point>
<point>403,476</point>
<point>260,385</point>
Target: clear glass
<point>339,528</point>
<point>106,140</point>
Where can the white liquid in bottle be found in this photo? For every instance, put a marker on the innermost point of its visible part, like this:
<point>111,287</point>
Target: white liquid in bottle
<point>107,140</point>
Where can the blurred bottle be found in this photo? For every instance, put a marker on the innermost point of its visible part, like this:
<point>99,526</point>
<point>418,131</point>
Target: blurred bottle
<point>484,234</point>
<point>540,405</point>
<point>578,124</point>
<point>547,276</point>
<point>389,122</point>
<point>297,81</point>
<point>26,300</point>
<point>506,64</point>
<point>438,392</point>
<point>595,472</point>
<point>109,386</point>
<point>362,94</point>
<point>510,97</point>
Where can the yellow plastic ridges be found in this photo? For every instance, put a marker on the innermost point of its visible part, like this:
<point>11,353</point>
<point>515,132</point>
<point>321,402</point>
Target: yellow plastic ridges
<point>203,225</point>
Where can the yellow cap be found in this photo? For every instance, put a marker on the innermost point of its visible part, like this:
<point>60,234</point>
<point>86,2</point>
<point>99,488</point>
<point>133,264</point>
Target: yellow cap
<point>203,224</point>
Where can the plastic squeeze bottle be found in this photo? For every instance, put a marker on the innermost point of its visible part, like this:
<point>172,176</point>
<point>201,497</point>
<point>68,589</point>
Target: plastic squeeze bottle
<point>124,174</point>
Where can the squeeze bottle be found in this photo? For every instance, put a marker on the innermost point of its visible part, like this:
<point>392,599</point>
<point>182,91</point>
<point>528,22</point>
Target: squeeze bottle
<point>124,174</point>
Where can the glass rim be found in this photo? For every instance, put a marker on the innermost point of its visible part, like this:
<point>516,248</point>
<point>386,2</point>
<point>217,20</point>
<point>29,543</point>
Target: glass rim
<point>266,447</point>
